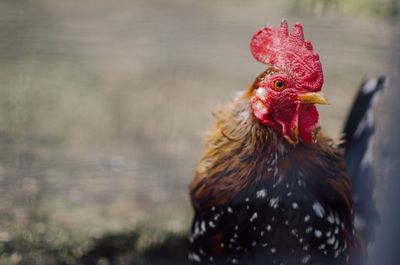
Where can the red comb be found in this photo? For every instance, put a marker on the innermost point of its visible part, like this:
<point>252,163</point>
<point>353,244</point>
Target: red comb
<point>289,52</point>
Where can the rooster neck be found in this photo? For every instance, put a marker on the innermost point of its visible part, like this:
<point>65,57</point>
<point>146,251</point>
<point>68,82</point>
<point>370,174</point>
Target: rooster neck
<point>240,152</point>
<point>238,126</point>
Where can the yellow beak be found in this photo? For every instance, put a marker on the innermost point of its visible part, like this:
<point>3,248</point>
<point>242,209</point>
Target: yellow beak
<point>313,98</point>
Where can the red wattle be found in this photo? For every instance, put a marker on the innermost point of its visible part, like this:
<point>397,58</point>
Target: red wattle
<point>308,122</point>
<point>288,117</point>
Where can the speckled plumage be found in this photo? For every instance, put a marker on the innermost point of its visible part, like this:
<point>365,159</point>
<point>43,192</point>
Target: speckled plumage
<point>260,200</point>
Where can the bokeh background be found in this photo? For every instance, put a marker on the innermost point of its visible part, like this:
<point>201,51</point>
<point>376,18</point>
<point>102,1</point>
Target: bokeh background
<point>104,105</point>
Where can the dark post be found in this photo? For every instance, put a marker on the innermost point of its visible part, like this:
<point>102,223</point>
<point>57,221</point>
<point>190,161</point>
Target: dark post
<point>387,164</point>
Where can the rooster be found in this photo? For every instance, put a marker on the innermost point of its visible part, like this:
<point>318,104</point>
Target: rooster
<point>271,188</point>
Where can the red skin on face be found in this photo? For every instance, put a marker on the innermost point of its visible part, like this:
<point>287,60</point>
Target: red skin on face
<point>287,113</point>
<point>299,67</point>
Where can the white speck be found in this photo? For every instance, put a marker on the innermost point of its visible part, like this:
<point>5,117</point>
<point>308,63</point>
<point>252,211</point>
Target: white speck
<point>318,233</point>
<point>216,217</point>
<point>301,240</point>
<point>203,226</point>
<point>264,245</point>
<point>321,246</point>
<point>337,220</point>
<point>336,230</point>
<point>309,229</point>
<point>274,202</point>
<point>236,227</point>
<point>330,218</point>
<point>295,205</point>
<point>253,243</point>
<point>273,250</point>
<point>318,209</point>
<point>301,182</point>
<point>194,257</point>
<point>337,252</point>
<point>262,233</point>
<point>230,209</point>
<point>307,218</point>
<point>234,261</point>
<point>213,208</point>
<point>328,234</point>
<point>306,259</point>
<point>370,86</point>
<point>268,227</point>
<point>247,199</point>
<point>289,194</point>
<point>336,245</point>
<point>196,228</point>
<point>330,240</point>
<point>211,224</point>
<point>261,193</point>
<point>278,181</point>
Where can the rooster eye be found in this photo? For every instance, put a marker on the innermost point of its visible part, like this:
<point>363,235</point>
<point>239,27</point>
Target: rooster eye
<point>279,84</point>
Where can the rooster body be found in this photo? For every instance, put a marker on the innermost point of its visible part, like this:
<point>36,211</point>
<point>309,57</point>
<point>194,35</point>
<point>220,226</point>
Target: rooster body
<point>270,187</point>
<point>262,201</point>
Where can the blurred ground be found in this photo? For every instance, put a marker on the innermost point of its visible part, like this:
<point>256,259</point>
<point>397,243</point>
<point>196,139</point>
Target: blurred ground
<point>104,104</point>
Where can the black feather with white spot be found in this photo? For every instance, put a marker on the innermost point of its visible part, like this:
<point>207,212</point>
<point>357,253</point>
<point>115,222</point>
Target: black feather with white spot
<point>287,220</point>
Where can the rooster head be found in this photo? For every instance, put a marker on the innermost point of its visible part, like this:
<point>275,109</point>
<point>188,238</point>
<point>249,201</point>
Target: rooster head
<point>283,97</point>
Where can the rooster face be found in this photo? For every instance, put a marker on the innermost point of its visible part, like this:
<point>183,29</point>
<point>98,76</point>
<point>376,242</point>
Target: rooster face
<point>284,96</point>
<point>276,102</point>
